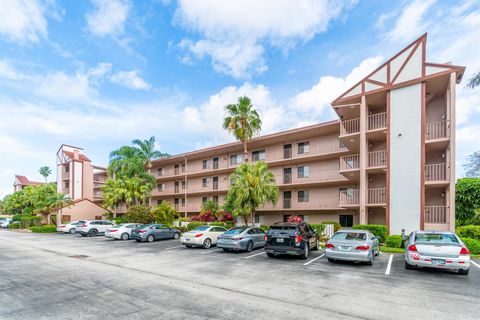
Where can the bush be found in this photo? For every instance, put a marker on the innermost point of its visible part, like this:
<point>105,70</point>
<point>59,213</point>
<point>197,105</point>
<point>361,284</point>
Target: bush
<point>377,230</point>
<point>394,241</point>
<point>472,232</point>
<point>472,244</point>
<point>14,225</point>
<point>295,219</point>
<point>139,214</point>
<point>182,229</point>
<point>319,228</point>
<point>265,228</point>
<point>47,228</point>
<point>336,225</point>
<point>194,224</point>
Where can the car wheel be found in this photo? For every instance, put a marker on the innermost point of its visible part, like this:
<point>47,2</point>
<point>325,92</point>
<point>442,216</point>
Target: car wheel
<point>84,235</point>
<point>331,260</point>
<point>378,252</point>
<point>370,263</point>
<point>124,236</point>
<point>72,231</point>
<point>138,240</point>
<point>408,266</point>
<point>150,238</point>
<point>188,245</point>
<point>271,255</point>
<point>226,250</point>
<point>93,233</point>
<point>306,252</point>
<point>176,236</point>
<point>207,243</point>
<point>249,247</point>
<point>463,272</point>
<point>317,245</point>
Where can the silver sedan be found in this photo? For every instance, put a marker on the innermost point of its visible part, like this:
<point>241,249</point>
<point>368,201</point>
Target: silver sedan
<point>242,238</point>
<point>352,245</point>
<point>441,250</point>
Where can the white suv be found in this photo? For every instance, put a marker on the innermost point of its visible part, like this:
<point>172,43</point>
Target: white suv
<point>94,227</point>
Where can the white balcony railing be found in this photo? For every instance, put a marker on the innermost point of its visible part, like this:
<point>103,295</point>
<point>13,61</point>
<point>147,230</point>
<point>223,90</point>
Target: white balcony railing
<point>377,121</point>
<point>436,214</point>
<point>436,172</point>
<point>377,196</point>
<point>377,159</point>
<point>350,162</point>
<point>350,126</point>
<point>349,197</point>
<point>436,130</point>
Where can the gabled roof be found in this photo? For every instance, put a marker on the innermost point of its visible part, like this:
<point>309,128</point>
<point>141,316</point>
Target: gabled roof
<point>405,68</point>
<point>81,157</point>
<point>23,180</point>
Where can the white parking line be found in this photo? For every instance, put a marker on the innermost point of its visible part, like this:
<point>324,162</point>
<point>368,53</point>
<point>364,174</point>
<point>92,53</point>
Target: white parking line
<point>307,263</point>
<point>173,247</point>
<point>389,265</point>
<point>253,255</point>
<point>475,264</point>
<point>210,251</point>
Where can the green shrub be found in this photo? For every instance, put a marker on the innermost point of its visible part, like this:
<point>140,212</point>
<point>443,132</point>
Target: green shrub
<point>14,225</point>
<point>472,232</point>
<point>377,229</point>
<point>264,228</point>
<point>394,241</point>
<point>319,228</point>
<point>472,244</point>
<point>336,225</point>
<point>182,229</point>
<point>195,224</point>
<point>47,228</point>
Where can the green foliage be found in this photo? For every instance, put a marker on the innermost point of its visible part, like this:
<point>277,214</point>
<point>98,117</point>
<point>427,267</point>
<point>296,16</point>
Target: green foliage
<point>394,241</point>
<point>319,228</point>
<point>226,225</point>
<point>469,232</point>
<point>467,201</point>
<point>139,214</point>
<point>164,213</point>
<point>195,224</point>
<point>15,225</point>
<point>336,225</point>
<point>386,249</point>
<point>474,81</point>
<point>264,228</point>
<point>210,205</point>
<point>45,172</point>
<point>31,200</point>
<point>377,230</point>
<point>47,228</point>
<point>472,244</point>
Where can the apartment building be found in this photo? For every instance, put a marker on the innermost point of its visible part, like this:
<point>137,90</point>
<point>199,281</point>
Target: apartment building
<point>389,159</point>
<point>22,181</point>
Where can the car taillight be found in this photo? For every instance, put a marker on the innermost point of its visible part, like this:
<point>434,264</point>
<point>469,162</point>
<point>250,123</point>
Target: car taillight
<point>265,237</point>
<point>412,248</point>
<point>141,231</point>
<point>113,230</point>
<point>362,248</point>
<point>62,226</point>
<point>298,239</point>
<point>239,238</point>
<point>198,235</point>
<point>464,251</point>
<point>329,246</point>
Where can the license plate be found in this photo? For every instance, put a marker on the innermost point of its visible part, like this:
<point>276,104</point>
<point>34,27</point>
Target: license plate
<point>345,247</point>
<point>279,240</point>
<point>438,261</point>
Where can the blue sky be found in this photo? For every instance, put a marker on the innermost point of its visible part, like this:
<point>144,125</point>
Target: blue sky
<point>98,74</point>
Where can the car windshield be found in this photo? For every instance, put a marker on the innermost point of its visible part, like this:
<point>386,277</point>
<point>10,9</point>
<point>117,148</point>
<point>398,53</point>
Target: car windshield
<point>235,231</point>
<point>202,228</point>
<point>143,226</point>
<point>283,227</point>
<point>355,236</point>
<point>435,238</point>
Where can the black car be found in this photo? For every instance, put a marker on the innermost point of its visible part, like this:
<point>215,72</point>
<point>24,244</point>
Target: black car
<point>152,232</point>
<point>292,238</point>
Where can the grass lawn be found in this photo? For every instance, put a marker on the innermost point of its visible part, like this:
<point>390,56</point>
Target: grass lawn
<point>391,250</point>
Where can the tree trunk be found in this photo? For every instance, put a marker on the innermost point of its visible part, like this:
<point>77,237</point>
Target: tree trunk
<point>245,151</point>
<point>253,218</point>
<point>59,217</point>
<point>245,219</point>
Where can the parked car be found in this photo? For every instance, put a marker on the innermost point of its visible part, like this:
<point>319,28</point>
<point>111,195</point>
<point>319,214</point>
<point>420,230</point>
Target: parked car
<point>203,236</point>
<point>352,245</point>
<point>70,227</point>
<point>241,238</point>
<point>4,223</point>
<point>94,227</point>
<point>152,232</point>
<point>121,231</point>
<point>292,238</point>
<point>441,250</point>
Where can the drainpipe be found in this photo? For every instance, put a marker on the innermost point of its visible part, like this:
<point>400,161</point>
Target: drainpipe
<point>186,184</point>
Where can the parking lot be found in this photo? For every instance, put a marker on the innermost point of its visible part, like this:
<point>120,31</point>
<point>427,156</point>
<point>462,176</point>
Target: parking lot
<point>69,276</point>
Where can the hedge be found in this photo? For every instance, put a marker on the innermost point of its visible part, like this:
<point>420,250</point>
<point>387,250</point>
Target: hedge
<point>394,241</point>
<point>472,244</point>
<point>336,225</point>
<point>264,227</point>
<point>195,224</point>
<point>47,228</point>
<point>320,228</point>
<point>377,229</point>
<point>14,225</point>
<point>472,232</point>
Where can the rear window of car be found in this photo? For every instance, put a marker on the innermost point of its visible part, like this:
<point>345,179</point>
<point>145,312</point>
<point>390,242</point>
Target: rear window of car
<point>235,231</point>
<point>435,238</point>
<point>283,227</point>
<point>355,236</point>
<point>202,228</point>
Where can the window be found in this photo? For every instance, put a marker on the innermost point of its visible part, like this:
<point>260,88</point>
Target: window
<point>258,155</point>
<point>204,199</point>
<point>160,172</point>
<point>161,187</point>
<point>304,147</point>
<point>287,151</point>
<point>175,201</point>
<point>287,197</point>
<point>215,199</point>
<point>183,202</point>
<point>159,201</point>
<point>205,164</point>
<point>236,159</point>
<point>183,167</point>
<point>184,184</point>
<point>303,171</point>
<point>303,196</point>
<point>177,168</point>
<point>205,182</point>
<point>346,220</point>
<point>215,163</point>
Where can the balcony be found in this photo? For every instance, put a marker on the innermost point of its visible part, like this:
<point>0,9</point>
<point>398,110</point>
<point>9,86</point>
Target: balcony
<point>98,194</point>
<point>349,197</point>
<point>377,196</point>
<point>313,177</point>
<point>351,126</point>
<point>350,162</point>
<point>293,205</point>
<point>436,130</point>
<point>377,159</point>
<point>436,172</point>
<point>377,121</point>
<point>436,214</point>
<point>65,175</point>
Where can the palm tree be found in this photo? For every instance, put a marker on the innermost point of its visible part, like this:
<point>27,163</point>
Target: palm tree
<point>57,203</point>
<point>146,150</point>
<point>243,121</point>
<point>125,161</point>
<point>474,81</point>
<point>45,172</point>
<point>253,186</point>
<point>113,193</point>
<point>210,205</point>
<point>164,213</point>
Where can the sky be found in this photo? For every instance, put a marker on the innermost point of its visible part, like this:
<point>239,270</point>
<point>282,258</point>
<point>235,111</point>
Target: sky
<point>97,74</point>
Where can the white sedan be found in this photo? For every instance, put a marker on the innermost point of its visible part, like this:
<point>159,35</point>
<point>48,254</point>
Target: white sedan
<point>121,231</point>
<point>70,227</point>
<point>203,236</point>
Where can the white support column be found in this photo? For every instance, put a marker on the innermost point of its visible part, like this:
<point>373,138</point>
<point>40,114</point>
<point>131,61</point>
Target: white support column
<point>363,162</point>
<point>451,155</point>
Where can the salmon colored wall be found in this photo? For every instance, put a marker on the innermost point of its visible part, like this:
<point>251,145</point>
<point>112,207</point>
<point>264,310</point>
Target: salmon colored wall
<point>83,210</point>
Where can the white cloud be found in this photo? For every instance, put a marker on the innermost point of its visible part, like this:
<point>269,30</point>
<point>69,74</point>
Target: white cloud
<point>234,33</point>
<point>22,20</point>
<point>130,79</point>
<point>60,86</point>
<point>108,18</point>
<point>7,71</point>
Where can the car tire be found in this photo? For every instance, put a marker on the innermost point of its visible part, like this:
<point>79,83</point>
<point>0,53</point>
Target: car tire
<point>188,245</point>
<point>150,238</point>
<point>225,249</point>
<point>370,263</point>
<point>72,230</point>
<point>84,235</point>
<point>377,253</point>
<point>408,266</point>
<point>249,247</point>
<point>463,272</point>
<point>331,260</point>
<point>306,252</point>
<point>207,243</point>
<point>270,255</point>
<point>138,240</point>
<point>125,236</point>
<point>317,245</point>
<point>176,236</point>
<point>93,233</point>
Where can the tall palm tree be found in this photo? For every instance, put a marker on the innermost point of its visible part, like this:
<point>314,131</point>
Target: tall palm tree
<point>253,186</point>
<point>146,150</point>
<point>243,121</point>
<point>474,81</point>
<point>125,161</point>
<point>113,193</point>
<point>45,172</point>
<point>57,203</point>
